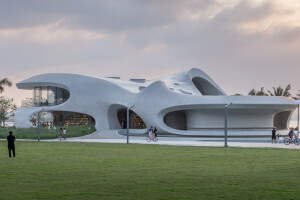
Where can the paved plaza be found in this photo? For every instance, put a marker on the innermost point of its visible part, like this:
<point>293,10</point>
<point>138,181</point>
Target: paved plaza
<point>112,137</point>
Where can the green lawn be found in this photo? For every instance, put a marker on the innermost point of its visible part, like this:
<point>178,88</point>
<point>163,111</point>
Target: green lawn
<point>45,133</point>
<point>58,170</point>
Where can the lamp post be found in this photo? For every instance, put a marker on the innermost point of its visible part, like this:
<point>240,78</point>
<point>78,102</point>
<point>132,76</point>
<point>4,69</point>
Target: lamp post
<point>225,134</point>
<point>298,102</point>
<point>127,117</point>
<point>39,123</point>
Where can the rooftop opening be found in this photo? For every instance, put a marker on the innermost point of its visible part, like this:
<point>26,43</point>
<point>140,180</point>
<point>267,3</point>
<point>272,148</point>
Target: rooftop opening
<point>205,87</point>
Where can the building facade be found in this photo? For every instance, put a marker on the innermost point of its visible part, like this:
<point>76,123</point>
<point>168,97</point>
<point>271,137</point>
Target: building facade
<point>189,103</point>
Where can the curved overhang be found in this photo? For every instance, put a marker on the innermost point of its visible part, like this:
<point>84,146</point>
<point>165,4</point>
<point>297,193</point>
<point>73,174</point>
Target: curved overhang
<point>196,73</point>
<point>44,80</point>
<point>238,102</point>
<point>246,113</point>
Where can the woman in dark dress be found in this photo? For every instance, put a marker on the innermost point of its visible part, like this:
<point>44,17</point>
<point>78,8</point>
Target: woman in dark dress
<point>274,135</point>
<point>155,132</point>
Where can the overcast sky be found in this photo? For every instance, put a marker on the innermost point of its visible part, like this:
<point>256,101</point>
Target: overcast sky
<point>241,44</point>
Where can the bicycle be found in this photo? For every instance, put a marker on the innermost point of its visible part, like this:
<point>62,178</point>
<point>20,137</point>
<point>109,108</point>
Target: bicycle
<point>154,139</point>
<point>288,141</point>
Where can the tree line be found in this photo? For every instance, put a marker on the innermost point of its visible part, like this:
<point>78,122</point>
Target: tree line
<point>276,91</point>
<point>7,106</point>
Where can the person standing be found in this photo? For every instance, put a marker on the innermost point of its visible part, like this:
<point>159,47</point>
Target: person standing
<point>11,144</point>
<point>65,134</point>
<point>60,134</point>
<point>155,132</point>
<point>274,135</point>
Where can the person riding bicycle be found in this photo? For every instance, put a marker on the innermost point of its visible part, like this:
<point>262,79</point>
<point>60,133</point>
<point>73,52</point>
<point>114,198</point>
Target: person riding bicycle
<point>296,133</point>
<point>151,133</point>
<point>291,134</point>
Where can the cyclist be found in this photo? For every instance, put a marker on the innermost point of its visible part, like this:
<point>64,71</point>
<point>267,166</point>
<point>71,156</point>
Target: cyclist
<point>291,134</point>
<point>151,133</point>
<point>296,133</point>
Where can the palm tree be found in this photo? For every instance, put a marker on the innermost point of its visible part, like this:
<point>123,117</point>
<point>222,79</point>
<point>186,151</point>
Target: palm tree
<point>4,82</point>
<point>253,92</point>
<point>297,97</point>
<point>279,91</point>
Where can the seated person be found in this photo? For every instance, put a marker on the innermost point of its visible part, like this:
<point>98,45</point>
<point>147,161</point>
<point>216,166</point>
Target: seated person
<point>280,139</point>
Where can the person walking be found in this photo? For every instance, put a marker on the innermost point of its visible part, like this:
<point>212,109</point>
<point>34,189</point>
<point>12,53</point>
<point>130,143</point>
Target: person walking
<point>11,144</point>
<point>274,135</point>
<point>65,134</point>
<point>60,134</point>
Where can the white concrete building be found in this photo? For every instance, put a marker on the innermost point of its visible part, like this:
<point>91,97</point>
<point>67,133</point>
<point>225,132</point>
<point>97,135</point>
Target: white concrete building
<point>187,103</point>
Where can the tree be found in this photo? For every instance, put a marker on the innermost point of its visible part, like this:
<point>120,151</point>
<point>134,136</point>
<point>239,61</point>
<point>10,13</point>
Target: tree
<point>253,92</point>
<point>279,91</point>
<point>4,82</point>
<point>297,97</point>
<point>7,107</point>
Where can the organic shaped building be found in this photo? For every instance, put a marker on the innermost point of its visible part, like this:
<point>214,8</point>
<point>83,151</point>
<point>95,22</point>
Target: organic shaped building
<point>189,103</point>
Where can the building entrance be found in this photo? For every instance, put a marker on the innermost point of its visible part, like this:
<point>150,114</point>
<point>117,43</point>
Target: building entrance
<point>136,121</point>
<point>72,119</point>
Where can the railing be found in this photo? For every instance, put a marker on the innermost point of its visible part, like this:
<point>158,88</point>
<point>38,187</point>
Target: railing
<point>46,103</point>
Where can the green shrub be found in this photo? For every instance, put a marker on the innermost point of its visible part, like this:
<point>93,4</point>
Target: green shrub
<point>45,133</point>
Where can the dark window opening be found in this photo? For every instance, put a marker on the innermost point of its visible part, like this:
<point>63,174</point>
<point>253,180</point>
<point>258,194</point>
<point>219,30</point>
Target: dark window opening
<point>136,121</point>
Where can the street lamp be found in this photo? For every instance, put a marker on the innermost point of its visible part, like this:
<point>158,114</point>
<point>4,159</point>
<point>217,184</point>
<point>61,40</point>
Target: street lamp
<point>128,109</point>
<point>298,102</point>
<point>39,123</point>
<point>225,137</point>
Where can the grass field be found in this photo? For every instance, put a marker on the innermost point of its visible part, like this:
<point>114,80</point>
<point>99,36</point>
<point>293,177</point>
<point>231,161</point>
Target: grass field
<point>57,170</point>
<point>45,133</point>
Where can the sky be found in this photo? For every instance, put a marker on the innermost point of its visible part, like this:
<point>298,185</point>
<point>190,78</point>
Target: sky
<point>240,44</point>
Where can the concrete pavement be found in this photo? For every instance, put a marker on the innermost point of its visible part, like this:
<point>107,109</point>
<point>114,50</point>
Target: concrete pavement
<point>111,136</point>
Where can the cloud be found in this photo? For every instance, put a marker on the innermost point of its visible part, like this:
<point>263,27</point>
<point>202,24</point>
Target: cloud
<point>49,33</point>
<point>242,44</point>
<point>109,16</point>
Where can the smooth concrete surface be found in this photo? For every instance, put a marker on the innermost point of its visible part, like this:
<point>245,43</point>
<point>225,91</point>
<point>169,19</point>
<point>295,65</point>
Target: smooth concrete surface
<point>190,99</point>
<point>111,136</point>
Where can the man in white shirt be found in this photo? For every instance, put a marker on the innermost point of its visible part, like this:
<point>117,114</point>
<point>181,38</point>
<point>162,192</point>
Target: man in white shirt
<point>65,134</point>
<point>296,133</point>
